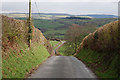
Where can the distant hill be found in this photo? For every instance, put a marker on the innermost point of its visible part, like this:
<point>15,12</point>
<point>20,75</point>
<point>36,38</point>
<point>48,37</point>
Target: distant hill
<point>53,14</point>
<point>100,16</point>
<point>82,18</point>
<point>42,13</point>
<point>57,15</point>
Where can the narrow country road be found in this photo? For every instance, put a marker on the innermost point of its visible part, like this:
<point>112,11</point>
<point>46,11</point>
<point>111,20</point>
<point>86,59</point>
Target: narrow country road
<point>63,67</point>
<point>62,42</point>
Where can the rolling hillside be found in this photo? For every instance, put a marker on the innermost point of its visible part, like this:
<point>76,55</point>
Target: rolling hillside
<point>57,15</point>
<point>57,28</point>
<point>55,25</point>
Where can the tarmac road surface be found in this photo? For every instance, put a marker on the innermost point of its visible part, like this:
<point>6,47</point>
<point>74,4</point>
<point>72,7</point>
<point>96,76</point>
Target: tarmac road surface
<point>63,67</point>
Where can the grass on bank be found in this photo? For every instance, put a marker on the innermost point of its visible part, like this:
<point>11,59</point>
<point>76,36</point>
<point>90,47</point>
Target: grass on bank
<point>62,50</point>
<point>18,64</point>
<point>95,61</point>
<point>54,43</point>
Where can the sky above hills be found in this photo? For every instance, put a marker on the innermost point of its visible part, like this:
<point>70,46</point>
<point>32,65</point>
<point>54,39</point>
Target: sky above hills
<point>62,0</point>
<point>76,7</point>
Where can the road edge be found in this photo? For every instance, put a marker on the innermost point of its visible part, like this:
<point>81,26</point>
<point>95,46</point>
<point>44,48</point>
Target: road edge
<point>35,68</point>
<point>90,68</point>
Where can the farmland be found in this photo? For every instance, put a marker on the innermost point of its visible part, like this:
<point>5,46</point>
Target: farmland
<point>54,25</point>
<point>57,28</point>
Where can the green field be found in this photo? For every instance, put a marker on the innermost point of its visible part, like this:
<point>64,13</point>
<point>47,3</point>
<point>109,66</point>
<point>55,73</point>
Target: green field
<point>56,28</point>
<point>62,50</point>
<point>54,43</point>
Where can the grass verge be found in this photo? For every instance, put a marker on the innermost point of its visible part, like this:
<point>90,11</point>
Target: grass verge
<point>54,43</point>
<point>17,65</point>
<point>62,50</point>
<point>96,61</point>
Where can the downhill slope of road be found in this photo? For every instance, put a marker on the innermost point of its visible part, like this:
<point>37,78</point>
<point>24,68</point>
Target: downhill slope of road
<point>63,67</point>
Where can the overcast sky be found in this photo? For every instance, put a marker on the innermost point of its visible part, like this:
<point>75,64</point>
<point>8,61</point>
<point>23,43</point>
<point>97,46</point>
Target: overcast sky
<point>62,0</point>
<point>76,7</point>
